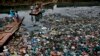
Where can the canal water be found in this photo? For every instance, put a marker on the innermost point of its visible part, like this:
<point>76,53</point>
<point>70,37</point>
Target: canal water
<point>58,12</point>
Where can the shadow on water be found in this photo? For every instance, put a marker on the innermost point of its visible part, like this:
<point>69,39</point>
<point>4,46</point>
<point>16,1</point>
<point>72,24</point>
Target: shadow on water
<point>36,18</point>
<point>5,9</point>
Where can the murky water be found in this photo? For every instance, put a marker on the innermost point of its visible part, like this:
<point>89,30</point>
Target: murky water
<point>71,12</point>
<point>58,12</point>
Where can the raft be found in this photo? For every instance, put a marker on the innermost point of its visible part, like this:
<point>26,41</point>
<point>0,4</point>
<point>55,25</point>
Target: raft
<point>9,30</point>
<point>35,12</point>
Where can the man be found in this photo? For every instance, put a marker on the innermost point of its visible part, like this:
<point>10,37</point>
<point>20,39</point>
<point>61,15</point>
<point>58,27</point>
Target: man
<point>17,16</point>
<point>12,13</point>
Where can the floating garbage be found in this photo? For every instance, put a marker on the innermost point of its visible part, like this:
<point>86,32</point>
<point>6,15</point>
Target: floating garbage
<point>66,31</point>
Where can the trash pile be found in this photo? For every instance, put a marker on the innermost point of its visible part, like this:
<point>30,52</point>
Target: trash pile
<point>60,36</point>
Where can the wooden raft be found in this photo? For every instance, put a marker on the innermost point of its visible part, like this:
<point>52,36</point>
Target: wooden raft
<point>10,29</point>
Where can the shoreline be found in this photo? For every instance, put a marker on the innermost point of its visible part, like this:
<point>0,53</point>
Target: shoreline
<point>27,4</point>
